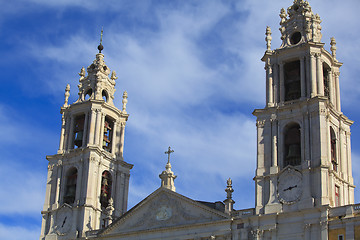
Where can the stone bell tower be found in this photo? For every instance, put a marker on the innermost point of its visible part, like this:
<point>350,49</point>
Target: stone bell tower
<point>88,179</point>
<point>303,138</point>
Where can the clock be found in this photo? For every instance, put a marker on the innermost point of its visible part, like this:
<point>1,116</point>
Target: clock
<point>289,186</point>
<point>63,222</point>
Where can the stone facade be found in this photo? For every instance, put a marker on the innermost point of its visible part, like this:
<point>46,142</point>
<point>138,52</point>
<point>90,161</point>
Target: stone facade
<point>303,180</point>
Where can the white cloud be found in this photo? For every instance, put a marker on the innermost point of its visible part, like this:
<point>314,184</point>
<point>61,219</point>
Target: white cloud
<point>19,232</point>
<point>22,190</point>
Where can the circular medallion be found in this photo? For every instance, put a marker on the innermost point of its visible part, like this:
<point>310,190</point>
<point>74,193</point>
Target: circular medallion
<point>163,213</point>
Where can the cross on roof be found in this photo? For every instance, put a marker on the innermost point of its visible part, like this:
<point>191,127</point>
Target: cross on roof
<point>169,151</point>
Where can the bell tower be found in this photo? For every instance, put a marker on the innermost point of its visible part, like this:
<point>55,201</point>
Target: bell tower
<point>303,138</point>
<point>88,179</point>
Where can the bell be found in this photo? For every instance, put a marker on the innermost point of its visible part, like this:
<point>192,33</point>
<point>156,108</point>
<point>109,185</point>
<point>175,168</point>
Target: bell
<point>294,151</point>
<point>78,139</point>
<point>71,191</point>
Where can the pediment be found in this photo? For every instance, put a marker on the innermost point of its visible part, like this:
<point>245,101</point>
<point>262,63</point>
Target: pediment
<point>164,208</point>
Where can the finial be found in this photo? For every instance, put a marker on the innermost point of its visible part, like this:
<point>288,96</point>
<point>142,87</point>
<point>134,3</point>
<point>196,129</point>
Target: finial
<point>229,190</point>
<point>282,15</point>
<point>229,202</point>
<point>82,73</point>
<point>113,76</point>
<point>268,38</point>
<point>101,47</point>
<point>167,177</point>
<point>168,152</point>
<point>124,102</point>
<point>67,94</point>
<point>333,47</point>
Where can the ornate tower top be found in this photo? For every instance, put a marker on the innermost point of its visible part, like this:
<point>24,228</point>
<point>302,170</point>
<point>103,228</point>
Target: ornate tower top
<point>299,24</point>
<point>167,177</point>
<point>97,85</point>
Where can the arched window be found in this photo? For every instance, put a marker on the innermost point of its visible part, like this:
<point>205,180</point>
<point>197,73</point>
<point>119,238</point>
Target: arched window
<point>292,153</point>
<point>333,149</point>
<point>326,79</point>
<point>105,95</point>
<point>70,190</point>
<point>108,134</point>
<point>106,183</point>
<point>79,131</point>
<point>88,94</point>
<point>292,80</point>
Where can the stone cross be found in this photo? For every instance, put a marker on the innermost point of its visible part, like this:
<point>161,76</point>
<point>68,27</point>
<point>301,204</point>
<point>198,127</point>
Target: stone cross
<point>169,151</point>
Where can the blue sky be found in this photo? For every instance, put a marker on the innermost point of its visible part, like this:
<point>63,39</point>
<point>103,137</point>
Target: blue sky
<point>193,74</point>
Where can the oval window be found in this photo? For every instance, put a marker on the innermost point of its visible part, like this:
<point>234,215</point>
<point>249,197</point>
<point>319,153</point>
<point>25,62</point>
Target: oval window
<point>295,38</point>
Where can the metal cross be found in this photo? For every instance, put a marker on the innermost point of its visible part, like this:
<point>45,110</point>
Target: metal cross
<point>101,35</point>
<point>169,151</point>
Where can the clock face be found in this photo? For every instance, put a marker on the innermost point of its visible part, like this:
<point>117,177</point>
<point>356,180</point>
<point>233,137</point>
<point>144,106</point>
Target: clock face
<point>290,186</point>
<point>63,222</point>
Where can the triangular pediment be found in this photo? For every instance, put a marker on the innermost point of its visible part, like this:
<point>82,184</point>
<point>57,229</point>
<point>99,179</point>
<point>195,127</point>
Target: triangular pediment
<point>164,208</point>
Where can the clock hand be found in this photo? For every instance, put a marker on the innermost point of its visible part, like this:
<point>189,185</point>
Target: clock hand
<point>64,221</point>
<point>289,188</point>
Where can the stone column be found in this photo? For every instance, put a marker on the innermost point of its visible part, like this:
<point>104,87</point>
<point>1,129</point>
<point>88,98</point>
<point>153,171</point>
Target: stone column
<point>308,76</point>
<point>258,194</point>
<point>273,204</point>
<point>79,184</point>
<point>313,75</point>
<point>342,148</point>
<point>276,83</point>
<point>126,187</point>
<point>302,76</point>
<point>118,200</point>
<point>113,138</point>
<point>338,105</point>
<point>58,184</point>
<point>85,132</point>
<point>319,75</point>
<point>91,128</point>
<point>98,127</point>
<point>307,233</point>
<point>122,138</point>
<point>62,134</point>
<point>324,229</point>
<point>349,231</point>
<point>45,219</point>
<point>270,95</point>
<point>90,169</point>
<point>349,163</point>
<point>282,83</point>
<point>49,187</point>
<point>331,87</point>
<point>67,131</point>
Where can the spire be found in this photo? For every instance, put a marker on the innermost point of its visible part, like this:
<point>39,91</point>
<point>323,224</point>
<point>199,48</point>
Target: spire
<point>101,47</point>
<point>97,85</point>
<point>167,177</point>
<point>268,38</point>
<point>67,94</point>
<point>333,47</point>
<point>229,202</point>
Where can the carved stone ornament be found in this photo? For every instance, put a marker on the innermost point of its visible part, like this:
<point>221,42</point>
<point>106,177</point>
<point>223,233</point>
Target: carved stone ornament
<point>166,211</point>
<point>260,123</point>
<point>299,25</point>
